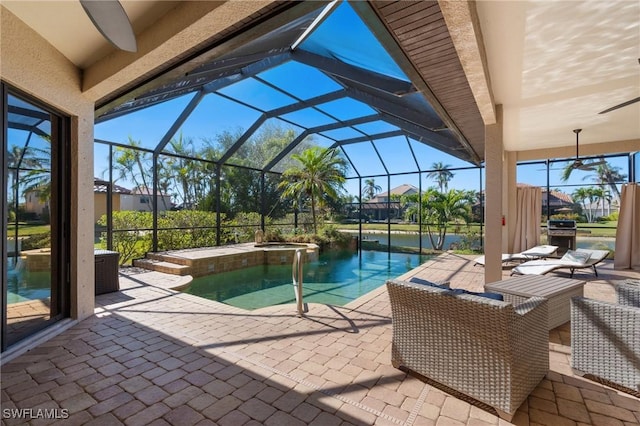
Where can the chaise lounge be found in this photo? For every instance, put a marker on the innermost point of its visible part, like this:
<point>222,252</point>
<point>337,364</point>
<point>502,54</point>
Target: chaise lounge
<point>537,252</point>
<point>486,349</point>
<point>572,260</point>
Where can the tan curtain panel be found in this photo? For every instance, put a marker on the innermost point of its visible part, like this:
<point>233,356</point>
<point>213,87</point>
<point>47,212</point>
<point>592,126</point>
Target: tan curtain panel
<point>528,217</point>
<point>628,233</point>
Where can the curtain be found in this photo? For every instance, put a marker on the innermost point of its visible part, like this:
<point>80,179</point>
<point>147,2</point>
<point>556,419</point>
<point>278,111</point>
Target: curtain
<point>628,233</point>
<point>528,217</point>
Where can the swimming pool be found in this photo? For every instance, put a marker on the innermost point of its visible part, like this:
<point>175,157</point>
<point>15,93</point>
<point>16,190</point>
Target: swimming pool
<point>336,278</point>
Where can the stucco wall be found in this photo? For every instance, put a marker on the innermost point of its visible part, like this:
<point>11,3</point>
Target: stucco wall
<point>100,204</point>
<point>32,65</point>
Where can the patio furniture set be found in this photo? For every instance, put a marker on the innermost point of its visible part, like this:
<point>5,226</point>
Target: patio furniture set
<point>493,347</point>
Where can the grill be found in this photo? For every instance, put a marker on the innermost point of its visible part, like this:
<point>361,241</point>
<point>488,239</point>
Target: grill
<point>562,233</point>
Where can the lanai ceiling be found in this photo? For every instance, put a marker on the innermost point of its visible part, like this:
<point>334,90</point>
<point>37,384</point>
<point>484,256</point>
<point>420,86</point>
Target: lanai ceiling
<point>561,63</point>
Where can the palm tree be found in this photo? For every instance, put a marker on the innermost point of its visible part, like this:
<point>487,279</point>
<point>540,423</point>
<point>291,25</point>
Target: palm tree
<point>127,160</point>
<point>604,175</point>
<point>36,161</point>
<point>320,175</point>
<point>441,174</point>
<point>438,210</point>
<point>607,175</point>
<point>370,188</point>
<point>582,195</point>
<point>185,173</point>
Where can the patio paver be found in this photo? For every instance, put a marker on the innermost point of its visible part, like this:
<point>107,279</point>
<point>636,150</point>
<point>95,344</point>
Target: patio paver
<point>151,354</point>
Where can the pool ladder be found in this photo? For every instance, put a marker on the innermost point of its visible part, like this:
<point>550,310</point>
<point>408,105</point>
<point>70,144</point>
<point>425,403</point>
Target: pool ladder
<point>297,272</point>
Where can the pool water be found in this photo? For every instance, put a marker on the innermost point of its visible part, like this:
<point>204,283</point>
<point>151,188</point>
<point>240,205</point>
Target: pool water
<point>25,286</point>
<point>336,278</point>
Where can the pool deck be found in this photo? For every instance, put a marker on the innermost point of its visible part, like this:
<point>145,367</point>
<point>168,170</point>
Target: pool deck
<point>151,355</point>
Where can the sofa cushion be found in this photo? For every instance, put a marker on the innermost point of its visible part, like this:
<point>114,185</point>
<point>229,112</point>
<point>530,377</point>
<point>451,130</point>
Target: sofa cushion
<point>494,296</point>
<point>417,280</point>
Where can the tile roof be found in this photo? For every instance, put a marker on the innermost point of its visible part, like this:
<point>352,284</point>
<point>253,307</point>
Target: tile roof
<point>100,185</point>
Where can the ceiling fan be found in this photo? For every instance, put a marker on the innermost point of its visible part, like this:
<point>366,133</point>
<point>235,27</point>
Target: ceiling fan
<point>112,21</point>
<point>623,104</point>
<point>581,165</point>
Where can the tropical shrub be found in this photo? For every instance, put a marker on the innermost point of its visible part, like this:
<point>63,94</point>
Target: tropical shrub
<point>131,234</point>
<point>439,210</point>
<point>470,240</point>
<point>36,241</point>
<point>186,229</point>
<point>613,217</point>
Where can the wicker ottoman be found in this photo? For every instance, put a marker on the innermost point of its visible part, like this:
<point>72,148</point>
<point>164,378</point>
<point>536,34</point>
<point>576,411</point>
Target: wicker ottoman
<point>558,291</point>
<point>106,275</point>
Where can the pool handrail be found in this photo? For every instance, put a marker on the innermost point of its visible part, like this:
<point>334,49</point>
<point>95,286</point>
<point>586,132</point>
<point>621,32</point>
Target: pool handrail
<point>297,272</point>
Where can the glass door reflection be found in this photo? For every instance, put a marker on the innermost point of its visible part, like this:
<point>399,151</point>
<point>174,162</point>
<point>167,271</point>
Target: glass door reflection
<point>30,293</point>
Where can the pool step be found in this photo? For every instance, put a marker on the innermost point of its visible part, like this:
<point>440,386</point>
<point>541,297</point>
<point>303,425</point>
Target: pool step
<point>162,266</point>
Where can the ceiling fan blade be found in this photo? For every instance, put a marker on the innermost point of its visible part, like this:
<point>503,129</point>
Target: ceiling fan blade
<point>586,168</point>
<point>112,21</point>
<point>624,104</point>
<point>589,167</point>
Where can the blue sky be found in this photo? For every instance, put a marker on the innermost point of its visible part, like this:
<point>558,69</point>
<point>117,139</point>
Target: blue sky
<point>340,36</point>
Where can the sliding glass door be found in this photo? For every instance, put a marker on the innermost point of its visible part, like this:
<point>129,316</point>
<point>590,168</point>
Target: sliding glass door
<point>35,204</point>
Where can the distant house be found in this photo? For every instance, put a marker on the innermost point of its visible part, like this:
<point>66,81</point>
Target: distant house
<point>138,199</point>
<point>404,189</point>
<point>35,205</point>
<point>558,201</point>
<point>141,199</point>
<point>100,197</point>
<point>379,207</point>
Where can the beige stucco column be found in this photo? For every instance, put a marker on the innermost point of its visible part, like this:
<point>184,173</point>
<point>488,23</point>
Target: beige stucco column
<point>32,65</point>
<point>493,208</point>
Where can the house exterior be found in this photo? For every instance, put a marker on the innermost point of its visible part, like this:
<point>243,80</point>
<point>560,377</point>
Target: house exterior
<point>557,201</point>
<point>138,199</point>
<point>100,188</point>
<point>141,200</point>
<point>35,205</point>
<point>398,191</point>
<point>382,206</point>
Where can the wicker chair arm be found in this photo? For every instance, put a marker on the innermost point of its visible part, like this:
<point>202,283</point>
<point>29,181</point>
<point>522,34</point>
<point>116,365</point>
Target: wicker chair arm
<point>628,293</point>
<point>604,341</point>
<point>530,305</point>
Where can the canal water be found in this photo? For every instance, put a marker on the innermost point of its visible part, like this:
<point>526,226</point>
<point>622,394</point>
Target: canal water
<point>411,240</point>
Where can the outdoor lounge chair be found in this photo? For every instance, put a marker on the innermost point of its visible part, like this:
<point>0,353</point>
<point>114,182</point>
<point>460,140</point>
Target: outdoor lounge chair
<point>572,260</point>
<point>537,252</point>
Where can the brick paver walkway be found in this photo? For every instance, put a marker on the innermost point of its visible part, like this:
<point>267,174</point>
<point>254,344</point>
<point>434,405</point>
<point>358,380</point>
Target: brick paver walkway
<point>154,356</point>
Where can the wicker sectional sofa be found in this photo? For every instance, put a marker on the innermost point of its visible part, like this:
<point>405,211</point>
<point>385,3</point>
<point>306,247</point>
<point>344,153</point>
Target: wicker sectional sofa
<point>605,337</point>
<point>489,350</point>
